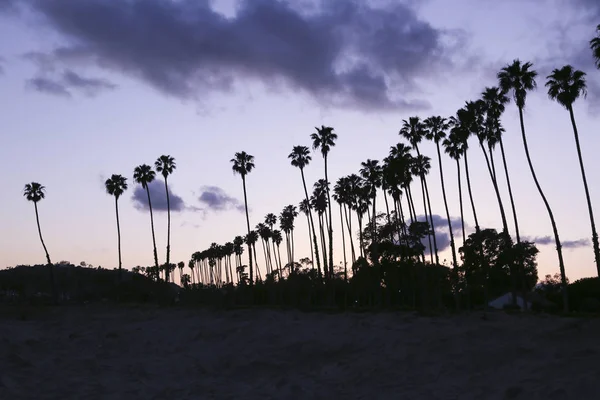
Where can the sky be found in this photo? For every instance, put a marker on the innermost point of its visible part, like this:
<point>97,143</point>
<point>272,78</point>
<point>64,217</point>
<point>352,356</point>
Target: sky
<point>92,88</point>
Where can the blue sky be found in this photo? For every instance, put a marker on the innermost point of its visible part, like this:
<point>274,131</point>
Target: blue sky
<point>92,88</point>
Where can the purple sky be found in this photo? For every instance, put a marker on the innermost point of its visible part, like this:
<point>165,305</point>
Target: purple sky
<point>95,87</point>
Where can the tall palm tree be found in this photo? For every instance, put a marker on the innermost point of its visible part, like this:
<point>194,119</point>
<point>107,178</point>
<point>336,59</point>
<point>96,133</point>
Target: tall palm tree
<point>414,131</point>
<point>318,202</point>
<point>437,128</point>
<point>243,164</point>
<point>339,197</point>
<point>519,78</point>
<point>305,208</point>
<point>566,85</point>
<point>324,139</point>
<point>420,167</point>
<point>300,157</point>
<point>454,148</point>
<point>165,165</point>
<point>495,101</point>
<point>595,46</point>
<point>36,192</point>
<point>144,175</point>
<point>116,185</point>
<point>371,173</point>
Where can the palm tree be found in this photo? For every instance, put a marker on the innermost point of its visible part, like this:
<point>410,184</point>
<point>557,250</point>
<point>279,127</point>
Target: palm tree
<point>420,167</point>
<point>116,185</point>
<point>304,207</point>
<point>243,164</point>
<point>300,157</point>
<point>339,197</point>
<point>318,202</point>
<point>595,46</point>
<point>36,192</point>
<point>495,101</point>
<point>371,173</point>
<point>454,148</point>
<point>143,175</point>
<point>437,128</point>
<point>181,265</point>
<point>324,139</point>
<point>519,78</point>
<point>165,165</point>
<point>270,221</point>
<point>566,85</point>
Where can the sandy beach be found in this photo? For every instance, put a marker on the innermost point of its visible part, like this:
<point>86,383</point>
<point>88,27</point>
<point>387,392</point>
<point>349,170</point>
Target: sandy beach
<point>150,353</point>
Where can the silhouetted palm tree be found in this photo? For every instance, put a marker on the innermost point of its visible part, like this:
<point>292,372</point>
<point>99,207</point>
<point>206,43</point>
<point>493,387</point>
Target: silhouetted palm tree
<point>519,78</point>
<point>144,175</point>
<point>324,139</point>
<point>36,192</point>
<point>595,46</point>
<point>371,173</point>
<point>116,185</point>
<point>181,266</point>
<point>454,148</point>
<point>339,197</point>
<point>437,128</point>
<point>243,164</point>
<point>300,157</point>
<point>318,202</point>
<point>165,165</point>
<point>566,85</point>
<point>495,101</point>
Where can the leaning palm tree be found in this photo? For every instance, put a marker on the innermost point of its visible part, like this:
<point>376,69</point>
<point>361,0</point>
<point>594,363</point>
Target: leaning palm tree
<point>372,174</point>
<point>116,185</point>
<point>324,139</point>
<point>36,192</point>
<point>436,129</point>
<point>300,157</point>
<point>243,164</point>
<point>566,85</point>
<point>454,148</point>
<point>143,175</point>
<point>165,165</point>
<point>595,46</point>
<point>519,78</point>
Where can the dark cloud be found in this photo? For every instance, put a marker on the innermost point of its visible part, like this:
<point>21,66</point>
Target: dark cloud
<point>343,53</point>
<point>48,86</point>
<point>214,198</point>
<point>1,66</point>
<point>566,244</point>
<point>91,86</point>
<point>157,196</point>
<point>442,235</point>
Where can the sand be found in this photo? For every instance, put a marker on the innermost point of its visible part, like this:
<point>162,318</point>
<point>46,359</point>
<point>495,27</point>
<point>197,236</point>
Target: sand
<point>151,353</point>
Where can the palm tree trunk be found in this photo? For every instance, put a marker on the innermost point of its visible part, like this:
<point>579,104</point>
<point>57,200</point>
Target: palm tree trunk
<point>496,190</point>
<point>360,235</point>
<point>587,194</point>
<point>118,236</point>
<point>324,246</point>
<point>250,266</point>
<point>470,191</point>
<point>279,256</point>
<point>292,237</point>
<point>312,254</point>
<point>330,223</point>
<point>312,225</point>
<point>550,214</point>
<point>153,236</point>
<point>452,244</point>
<point>349,225</point>
<point>343,243</point>
<point>460,202</point>
<point>167,269</point>
<point>49,263</point>
<point>512,201</point>
<point>275,255</point>
<point>435,248</point>
<point>427,220</point>
<point>411,204</point>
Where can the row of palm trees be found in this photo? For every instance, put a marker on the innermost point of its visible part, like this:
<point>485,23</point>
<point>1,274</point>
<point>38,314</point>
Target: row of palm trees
<point>393,177</point>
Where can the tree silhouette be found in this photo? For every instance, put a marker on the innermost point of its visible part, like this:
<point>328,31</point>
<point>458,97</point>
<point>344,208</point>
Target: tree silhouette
<point>519,78</point>
<point>300,158</point>
<point>165,165</point>
<point>323,140</point>
<point>595,46</point>
<point>36,192</point>
<point>143,175</point>
<point>116,185</point>
<point>243,164</point>
<point>566,85</point>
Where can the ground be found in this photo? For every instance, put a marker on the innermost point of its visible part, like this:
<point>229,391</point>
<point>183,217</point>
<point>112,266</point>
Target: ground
<point>103,352</point>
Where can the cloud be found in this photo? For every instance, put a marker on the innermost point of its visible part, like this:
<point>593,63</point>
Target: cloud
<point>215,199</point>
<point>341,53</point>
<point>566,244</point>
<point>66,83</point>
<point>48,86</point>
<point>157,196</point>
<point>442,235</point>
